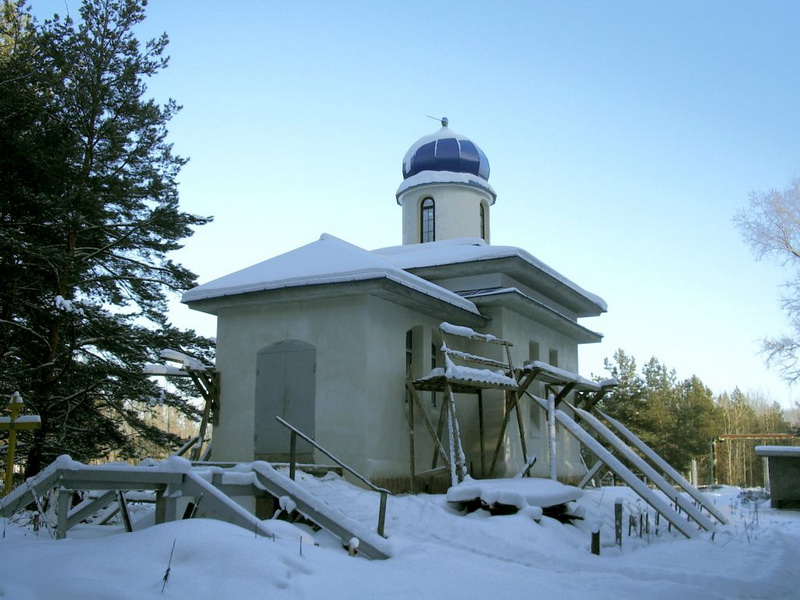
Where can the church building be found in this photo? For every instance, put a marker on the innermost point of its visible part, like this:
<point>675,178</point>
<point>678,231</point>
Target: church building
<point>327,336</point>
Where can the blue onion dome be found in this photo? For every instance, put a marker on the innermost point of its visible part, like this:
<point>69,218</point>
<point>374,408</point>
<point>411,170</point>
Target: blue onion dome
<point>445,150</point>
<point>445,157</point>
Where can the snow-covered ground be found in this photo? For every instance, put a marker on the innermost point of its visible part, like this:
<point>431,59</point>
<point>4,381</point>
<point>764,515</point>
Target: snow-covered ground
<point>438,552</point>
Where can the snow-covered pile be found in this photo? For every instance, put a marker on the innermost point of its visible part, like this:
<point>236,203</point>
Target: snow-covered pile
<point>438,552</point>
<point>518,492</point>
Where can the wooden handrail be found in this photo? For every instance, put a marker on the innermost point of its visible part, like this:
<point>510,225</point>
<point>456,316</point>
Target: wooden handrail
<point>292,462</point>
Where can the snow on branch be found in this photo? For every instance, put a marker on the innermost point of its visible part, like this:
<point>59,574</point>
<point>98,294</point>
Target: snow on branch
<point>187,361</point>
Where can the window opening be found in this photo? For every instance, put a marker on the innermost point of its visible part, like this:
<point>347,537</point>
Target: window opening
<point>428,221</point>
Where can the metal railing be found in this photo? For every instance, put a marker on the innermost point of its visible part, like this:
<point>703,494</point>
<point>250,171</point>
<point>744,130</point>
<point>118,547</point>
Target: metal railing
<point>293,469</point>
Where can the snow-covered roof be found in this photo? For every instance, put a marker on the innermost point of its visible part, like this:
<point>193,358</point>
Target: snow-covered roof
<point>475,250</point>
<point>431,177</point>
<point>325,261</point>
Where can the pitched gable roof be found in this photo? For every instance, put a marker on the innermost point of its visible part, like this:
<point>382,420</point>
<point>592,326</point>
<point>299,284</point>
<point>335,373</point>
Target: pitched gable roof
<point>328,260</point>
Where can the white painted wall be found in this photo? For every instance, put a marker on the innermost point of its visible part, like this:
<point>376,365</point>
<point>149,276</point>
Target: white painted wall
<point>361,409</point>
<point>457,211</point>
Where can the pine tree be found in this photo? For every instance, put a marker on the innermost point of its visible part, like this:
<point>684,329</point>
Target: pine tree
<point>677,419</point>
<point>627,402</point>
<point>88,216</point>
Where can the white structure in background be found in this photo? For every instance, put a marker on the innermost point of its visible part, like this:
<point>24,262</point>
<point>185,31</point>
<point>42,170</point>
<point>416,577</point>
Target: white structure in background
<point>326,335</point>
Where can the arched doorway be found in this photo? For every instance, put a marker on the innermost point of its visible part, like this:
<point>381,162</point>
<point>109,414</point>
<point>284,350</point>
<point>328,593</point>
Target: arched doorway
<point>286,387</point>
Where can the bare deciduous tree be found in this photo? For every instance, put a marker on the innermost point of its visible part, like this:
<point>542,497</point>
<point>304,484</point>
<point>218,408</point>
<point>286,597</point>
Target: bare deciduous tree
<point>771,227</point>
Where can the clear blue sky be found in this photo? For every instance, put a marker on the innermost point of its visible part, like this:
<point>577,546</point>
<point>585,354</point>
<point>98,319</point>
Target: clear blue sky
<point>622,137</point>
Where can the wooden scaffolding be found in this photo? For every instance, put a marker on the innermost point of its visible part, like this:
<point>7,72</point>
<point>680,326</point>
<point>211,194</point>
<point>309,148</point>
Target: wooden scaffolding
<point>206,380</point>
<point>460,375</point>
<point>570,403</point>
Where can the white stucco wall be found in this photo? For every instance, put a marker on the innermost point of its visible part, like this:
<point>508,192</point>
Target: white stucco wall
<point>360,407</point>
<point>360,391</point>
<point>336,327</point>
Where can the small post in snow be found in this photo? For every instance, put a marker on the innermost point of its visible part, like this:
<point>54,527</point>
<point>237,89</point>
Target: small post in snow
<point>618,522</point>
<point>292,455</point>
<point>596,539</point>
<point>169,566</point>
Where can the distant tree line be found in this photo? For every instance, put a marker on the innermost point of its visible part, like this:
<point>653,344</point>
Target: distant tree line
<point>682,420</point>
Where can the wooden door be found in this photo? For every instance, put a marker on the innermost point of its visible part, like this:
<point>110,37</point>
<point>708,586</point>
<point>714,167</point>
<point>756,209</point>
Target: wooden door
<point>286,387</point>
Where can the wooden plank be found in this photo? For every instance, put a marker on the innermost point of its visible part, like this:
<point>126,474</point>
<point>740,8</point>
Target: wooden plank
<point>117,478</point>
<point>22,495</point>
<point>499,445</point>
<point>370,544</point>
<point>469,334</point>
<point>475,358</point>
<point>636,442</point>
<point>591,473</point>
<point>656,478</point>
<point>613,463</point>
<point>88,507</point>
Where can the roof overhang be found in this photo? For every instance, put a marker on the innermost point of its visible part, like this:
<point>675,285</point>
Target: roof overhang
<point>515,300</point>
<point>380,287</point>
<point>566,294</point>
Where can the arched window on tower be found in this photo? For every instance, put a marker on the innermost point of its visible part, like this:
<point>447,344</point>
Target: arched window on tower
<point>483,221</point>
<point>427,221</point>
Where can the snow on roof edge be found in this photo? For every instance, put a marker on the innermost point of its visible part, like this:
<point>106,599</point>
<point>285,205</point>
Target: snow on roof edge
<point>384,269</point>
<point>473,250</point>
<point>539,303</point>
<point>430,177</point>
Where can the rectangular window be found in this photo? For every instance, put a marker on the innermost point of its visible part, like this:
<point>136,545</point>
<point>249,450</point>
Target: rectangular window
<point>533,351</point>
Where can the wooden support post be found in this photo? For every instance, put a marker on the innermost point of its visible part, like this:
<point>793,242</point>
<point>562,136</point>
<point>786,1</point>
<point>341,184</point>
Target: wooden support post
<point>564,392</point>
<point>451,431</point>
<point>618,522</point>
<point>439,431</point>
<point>411,454</point>
<point>596,540</point>
<point>435,436</point>
<point>62,513</point>
<point>481,433</point>
<point>520,425</point>
<point>551,435</point>
<point>382,515</point>
<point>590,474</point>
<point>123,511</point>
<point>499,444</point>
<point>292,455</point>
